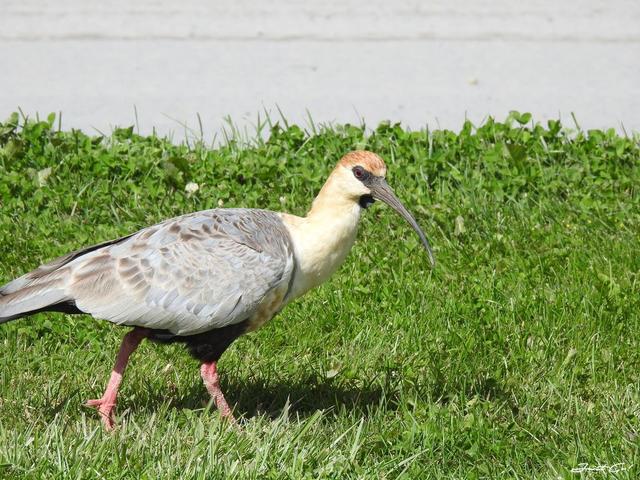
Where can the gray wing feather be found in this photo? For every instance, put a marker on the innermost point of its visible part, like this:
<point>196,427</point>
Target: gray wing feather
<point>187,275</point>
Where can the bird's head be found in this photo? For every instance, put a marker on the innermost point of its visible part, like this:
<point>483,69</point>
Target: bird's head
<point>360,175</point>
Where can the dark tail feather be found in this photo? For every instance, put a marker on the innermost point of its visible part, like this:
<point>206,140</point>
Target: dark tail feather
<point>67,306</point>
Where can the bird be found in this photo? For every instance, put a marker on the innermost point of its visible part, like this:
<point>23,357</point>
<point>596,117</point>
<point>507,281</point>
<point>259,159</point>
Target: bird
<point>203,279</point>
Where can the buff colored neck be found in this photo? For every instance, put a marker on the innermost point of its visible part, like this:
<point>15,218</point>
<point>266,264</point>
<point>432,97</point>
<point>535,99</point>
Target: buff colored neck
<point>323,238</point>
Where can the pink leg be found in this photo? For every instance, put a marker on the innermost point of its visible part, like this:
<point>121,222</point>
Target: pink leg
<point>209,373</point>
<point>107,403</point>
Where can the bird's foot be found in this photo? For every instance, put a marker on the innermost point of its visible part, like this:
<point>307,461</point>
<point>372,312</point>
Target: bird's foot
<point>107,403</point>
<point>105,408</point>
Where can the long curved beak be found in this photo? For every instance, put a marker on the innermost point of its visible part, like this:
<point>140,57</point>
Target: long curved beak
<point>381,190</point>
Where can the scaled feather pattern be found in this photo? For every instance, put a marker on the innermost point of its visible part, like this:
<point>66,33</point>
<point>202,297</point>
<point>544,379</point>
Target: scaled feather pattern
<point>187,275</point>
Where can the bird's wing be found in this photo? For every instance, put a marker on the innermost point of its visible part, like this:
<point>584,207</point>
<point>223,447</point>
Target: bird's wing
<point>187,275</point>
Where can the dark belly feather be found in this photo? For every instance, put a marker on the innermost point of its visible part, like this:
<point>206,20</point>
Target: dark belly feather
<point>206,346</point>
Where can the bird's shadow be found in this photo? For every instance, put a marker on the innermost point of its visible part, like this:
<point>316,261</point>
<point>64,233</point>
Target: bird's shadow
<point>269,397</point>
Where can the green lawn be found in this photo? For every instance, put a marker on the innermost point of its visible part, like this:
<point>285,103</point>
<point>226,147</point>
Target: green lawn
<point>517,357</point>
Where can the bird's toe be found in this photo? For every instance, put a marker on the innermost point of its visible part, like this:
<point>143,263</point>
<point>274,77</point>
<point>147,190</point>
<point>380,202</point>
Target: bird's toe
<point>107,421</point>
<point>105,409</point>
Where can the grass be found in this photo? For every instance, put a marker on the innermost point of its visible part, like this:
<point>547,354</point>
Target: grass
<point>518,357</point>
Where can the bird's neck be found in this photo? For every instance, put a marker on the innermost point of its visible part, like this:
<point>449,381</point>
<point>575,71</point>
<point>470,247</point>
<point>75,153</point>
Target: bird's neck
<point>323,238</point>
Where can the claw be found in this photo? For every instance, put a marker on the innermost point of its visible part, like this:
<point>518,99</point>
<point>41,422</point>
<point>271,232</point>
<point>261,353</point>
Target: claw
<point>105,409</point>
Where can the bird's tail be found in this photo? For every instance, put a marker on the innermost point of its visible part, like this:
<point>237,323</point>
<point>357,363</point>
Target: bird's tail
<point>24,296</point>
<point>41,290</point>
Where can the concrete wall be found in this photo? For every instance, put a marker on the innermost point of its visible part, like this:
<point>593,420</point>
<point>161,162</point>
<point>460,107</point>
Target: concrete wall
<point>417,62</point>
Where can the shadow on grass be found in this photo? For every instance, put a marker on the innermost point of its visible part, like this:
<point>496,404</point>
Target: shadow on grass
<point>260,396</point>
<point>269,395</point>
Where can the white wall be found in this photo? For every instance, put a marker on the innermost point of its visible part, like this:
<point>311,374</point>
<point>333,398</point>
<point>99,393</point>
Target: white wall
<point>416,62</point>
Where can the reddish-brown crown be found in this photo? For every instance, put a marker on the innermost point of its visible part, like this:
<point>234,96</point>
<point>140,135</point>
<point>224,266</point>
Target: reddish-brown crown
<point>369,160</point>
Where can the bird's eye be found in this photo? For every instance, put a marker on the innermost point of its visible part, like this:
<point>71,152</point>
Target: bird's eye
<point>359,172</point>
